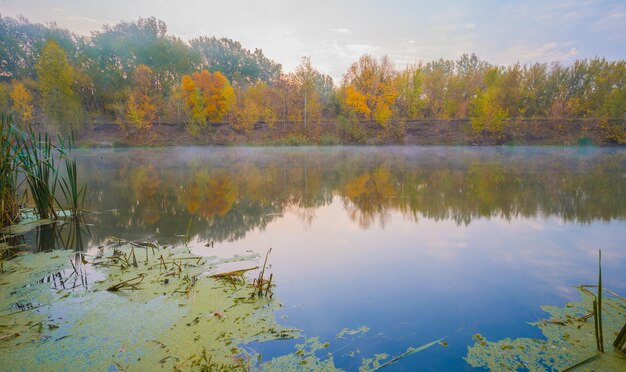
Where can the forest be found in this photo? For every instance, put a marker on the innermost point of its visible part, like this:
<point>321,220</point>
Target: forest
<point>135,74</point>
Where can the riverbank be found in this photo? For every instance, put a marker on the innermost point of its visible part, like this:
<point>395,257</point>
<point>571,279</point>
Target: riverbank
<point>569,132</point>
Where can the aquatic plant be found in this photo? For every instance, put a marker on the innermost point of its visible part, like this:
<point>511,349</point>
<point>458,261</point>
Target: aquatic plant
<point>37,163</point>
<point>74,195</point>
<point>261,285</point>
<point>31,154</point>
<point>568,337</point>
<point>597,308</point>
<point>9,211</point>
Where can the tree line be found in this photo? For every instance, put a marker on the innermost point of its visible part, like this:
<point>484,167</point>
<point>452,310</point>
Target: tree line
<point>136,74</point>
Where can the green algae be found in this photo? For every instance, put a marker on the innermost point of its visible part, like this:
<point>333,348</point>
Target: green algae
<point>570,340</point>
<point>352,332</point>
<point>304,358</point>
<point>373,363</point>
<point>177,317</point>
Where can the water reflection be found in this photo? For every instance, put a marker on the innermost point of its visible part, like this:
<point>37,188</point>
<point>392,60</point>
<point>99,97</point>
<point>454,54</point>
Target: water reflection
<point>228,192</point>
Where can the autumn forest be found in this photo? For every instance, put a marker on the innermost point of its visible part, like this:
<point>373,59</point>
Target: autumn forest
<point>135,75</point>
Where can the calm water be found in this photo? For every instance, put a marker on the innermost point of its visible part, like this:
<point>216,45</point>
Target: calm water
<point>414,243</point>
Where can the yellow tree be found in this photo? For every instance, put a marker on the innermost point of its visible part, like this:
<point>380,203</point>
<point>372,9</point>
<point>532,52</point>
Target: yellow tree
<point>370,90</point>
<point>141,110</point>
<point>60,103</point>
<point>209,96</point>
<point>22,102</point>
<point>254,105</point>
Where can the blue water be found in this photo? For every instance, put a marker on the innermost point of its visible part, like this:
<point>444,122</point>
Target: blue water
<point>414,243</point>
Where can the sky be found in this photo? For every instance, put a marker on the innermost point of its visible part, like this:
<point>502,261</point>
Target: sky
<point>335,33</point>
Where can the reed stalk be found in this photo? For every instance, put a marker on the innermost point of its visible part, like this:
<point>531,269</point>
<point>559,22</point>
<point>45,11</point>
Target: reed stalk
<point>9,211</point>
<point>38,165</point>
<point>74,196</point>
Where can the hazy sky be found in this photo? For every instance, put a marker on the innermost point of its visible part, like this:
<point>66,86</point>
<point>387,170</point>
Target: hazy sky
<point>335,33</point>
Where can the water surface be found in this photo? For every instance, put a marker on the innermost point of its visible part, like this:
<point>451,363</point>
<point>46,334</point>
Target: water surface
<point>414,243</point>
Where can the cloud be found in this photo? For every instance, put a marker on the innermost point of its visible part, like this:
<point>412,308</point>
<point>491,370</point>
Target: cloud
<point>340,30</point>
<point>84,19</point>
<point>548,52</point>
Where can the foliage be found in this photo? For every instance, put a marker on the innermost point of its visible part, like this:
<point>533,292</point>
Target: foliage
<point>238,64</point>
<point>56,78</point>
<point>141,110</point>
<point>22,102</point>
<point>370,88</point>
<point>253,105</point>
<point>350,130</point>
<point>209,96</point>
<point>135,72</point>
<point>487,112</point>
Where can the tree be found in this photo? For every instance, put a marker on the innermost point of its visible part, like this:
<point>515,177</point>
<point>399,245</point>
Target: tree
<point>254,104</point>
<point>310,90</point>
<point>409,85</point>
<point>487,112</point>
<point>239,65</point>
<point>369,88</point>
<point>22,102</point>
<point>141,111</point>
<point>59,102</point>
<point>209,96</point>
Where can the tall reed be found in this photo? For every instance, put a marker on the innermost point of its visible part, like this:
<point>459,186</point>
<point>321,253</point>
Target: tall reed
<point>38,165</point>
<point>74,195</point>
<point>9,211</point>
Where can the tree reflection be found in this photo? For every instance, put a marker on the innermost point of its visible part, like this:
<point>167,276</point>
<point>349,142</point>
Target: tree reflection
<point>229,192</point>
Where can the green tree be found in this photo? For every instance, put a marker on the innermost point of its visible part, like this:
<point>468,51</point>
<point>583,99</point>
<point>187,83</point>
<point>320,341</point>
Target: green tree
<point>487,112</point>
<point>239,65</point>
<point>60,103</point>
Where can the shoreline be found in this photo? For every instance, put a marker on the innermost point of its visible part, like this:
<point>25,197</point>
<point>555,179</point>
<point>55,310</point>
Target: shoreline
<point>437,132</point>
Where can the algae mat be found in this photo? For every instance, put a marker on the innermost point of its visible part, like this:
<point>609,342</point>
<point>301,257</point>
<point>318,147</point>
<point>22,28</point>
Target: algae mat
<point>570,341</point>
<point>128,305</point>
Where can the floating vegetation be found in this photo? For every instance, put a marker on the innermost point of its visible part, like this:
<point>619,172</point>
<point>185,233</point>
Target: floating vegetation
<point>150,305</point>
<point>352,332</point>
<point>569,340</point>
<point>304,358</point>
<point>373,363</point>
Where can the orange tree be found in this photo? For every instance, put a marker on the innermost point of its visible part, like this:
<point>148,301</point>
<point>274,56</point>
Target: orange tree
<point>209,96</point>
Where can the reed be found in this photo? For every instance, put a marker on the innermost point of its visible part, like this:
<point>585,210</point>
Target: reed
<point>74,195</point>
<point>37,162</point>
<point>9,211</point>
<point>620,340</point>
<point>601,335</point>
